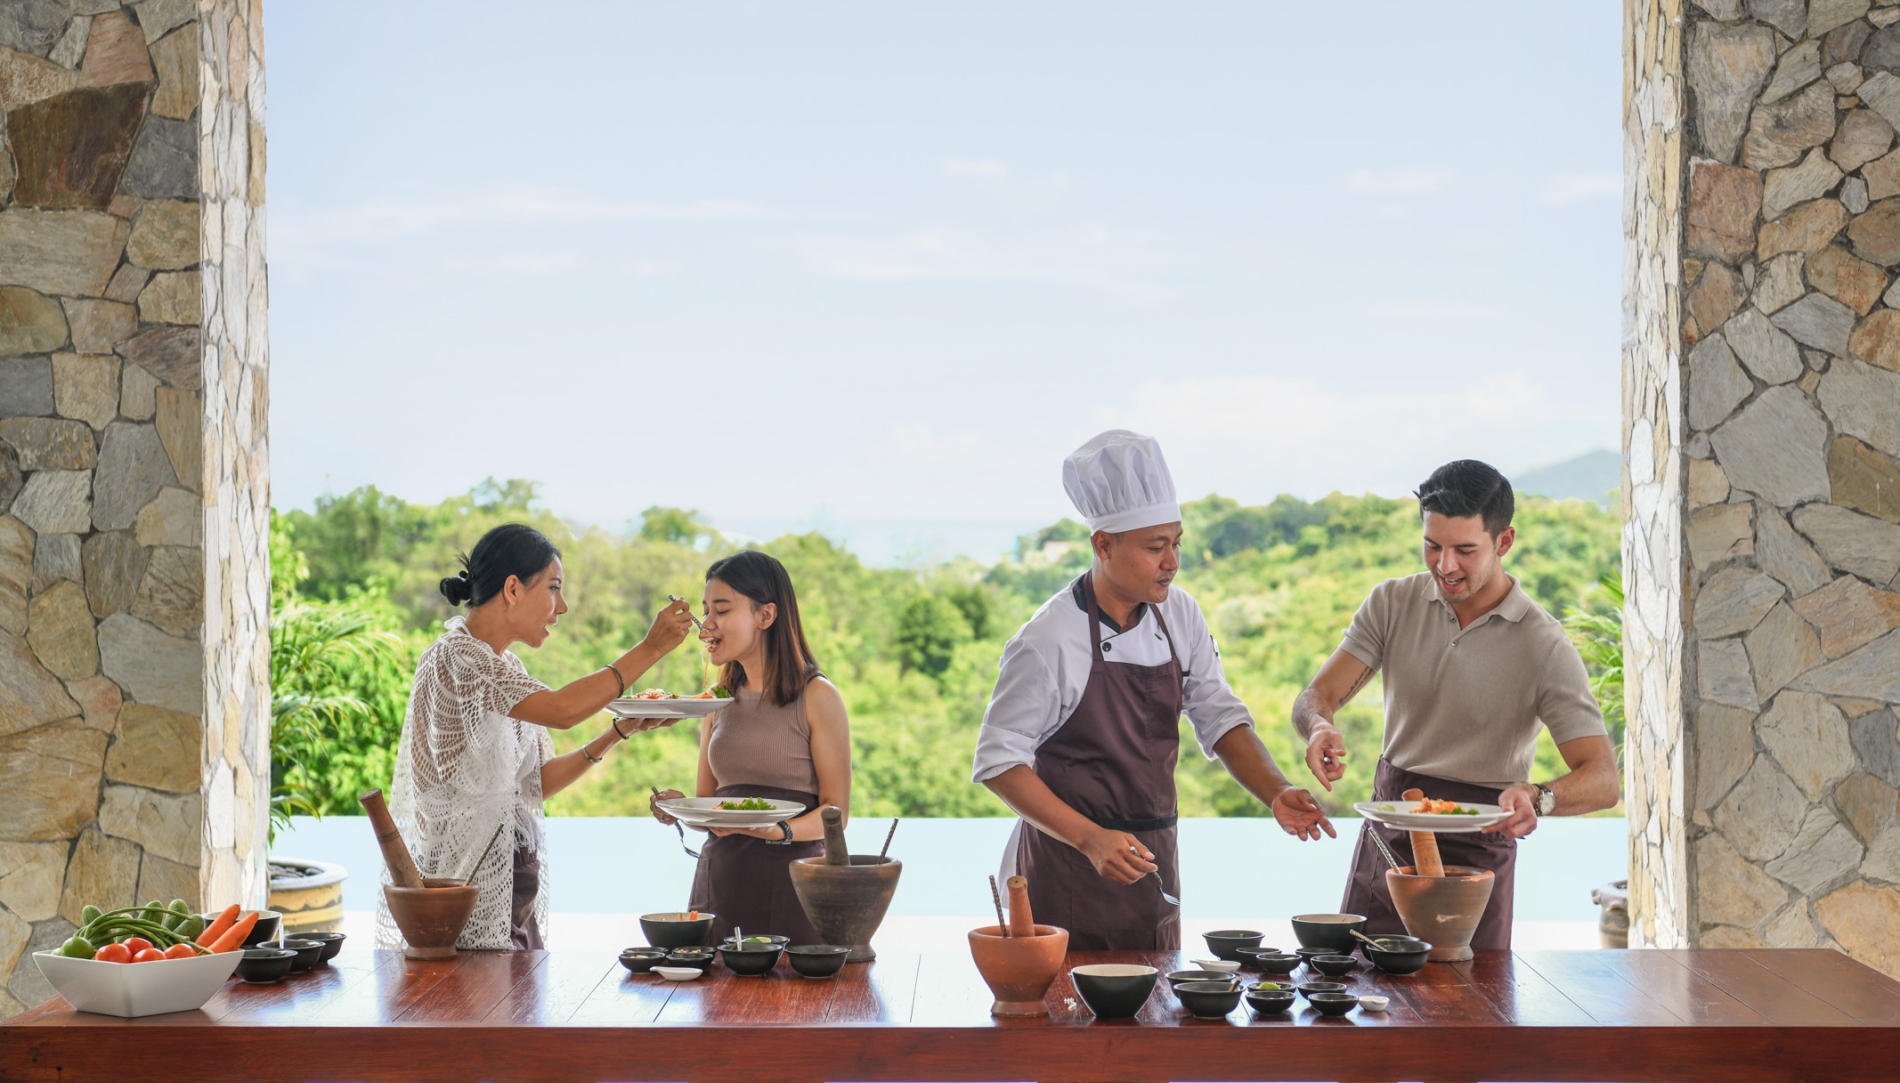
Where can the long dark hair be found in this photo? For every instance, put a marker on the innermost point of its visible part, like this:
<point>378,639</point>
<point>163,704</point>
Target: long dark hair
<point>789,666</point>
<point>515,549</point>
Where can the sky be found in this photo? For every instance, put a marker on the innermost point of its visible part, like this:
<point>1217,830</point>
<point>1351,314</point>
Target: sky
<point>875,269</point>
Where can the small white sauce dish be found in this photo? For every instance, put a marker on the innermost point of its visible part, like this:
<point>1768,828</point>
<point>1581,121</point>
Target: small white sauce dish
<point>1217,966</point>
<point>1374,1003</point>
<point>677,973</point>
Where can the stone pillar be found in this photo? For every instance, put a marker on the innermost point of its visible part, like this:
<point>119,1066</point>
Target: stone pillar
<point>1761,373</point>
<point>134,701</point>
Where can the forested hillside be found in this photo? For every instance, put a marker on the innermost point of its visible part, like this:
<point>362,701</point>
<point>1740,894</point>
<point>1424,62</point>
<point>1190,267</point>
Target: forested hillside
<point>914,652</point>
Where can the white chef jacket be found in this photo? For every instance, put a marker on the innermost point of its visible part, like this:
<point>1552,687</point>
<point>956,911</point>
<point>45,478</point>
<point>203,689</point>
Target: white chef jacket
<point>1045,668</point>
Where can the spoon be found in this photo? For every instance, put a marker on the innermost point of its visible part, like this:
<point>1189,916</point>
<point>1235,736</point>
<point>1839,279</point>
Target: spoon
<point>689,612</point>
<point>1385,849</point>
<point>1165,897</point>
<point>1377,942</point>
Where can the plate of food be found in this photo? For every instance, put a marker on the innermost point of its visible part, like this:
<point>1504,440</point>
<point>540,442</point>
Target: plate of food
<point>659,703</point>
<point>730,811</point>
<point>1449,817</point>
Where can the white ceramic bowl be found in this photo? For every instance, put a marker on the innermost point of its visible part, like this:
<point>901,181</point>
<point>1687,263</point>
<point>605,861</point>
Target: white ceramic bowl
<point>678,973</point>
<point>130,990</point>
<point>1374,1004</point>
<point>1217,966</point>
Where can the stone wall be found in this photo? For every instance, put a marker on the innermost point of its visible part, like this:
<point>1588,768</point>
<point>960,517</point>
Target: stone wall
<point>1762,406</point>
<point>133,484</point>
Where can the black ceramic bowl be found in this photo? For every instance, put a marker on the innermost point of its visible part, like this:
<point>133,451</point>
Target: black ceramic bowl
<point>308,952</point>
<point>268,923</point>
<point>1310,989</point>
<point>1250,957</point>
<point>1396,942</point>
<point>676,930</point>
<point>332,944</point>
<point>700,959</point>
<point>1332,1003</point>
<point>1281,962</point>
<point>1179,976</point>
<point>752,941</point>
<point>1333,966</point>
<point>642,960</point>
<point>1225,943</point>
<point>1400,962</point>
<point>1307,955</point>
<point>1328,930</point>
<point>262,966</point>
<point>751,961</point>
<point>1269,1001</point>
<point>1208,999</point>
<point>1114,990</point>
<point>817,960</point>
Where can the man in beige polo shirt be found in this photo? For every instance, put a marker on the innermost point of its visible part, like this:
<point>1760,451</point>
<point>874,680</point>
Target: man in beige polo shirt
<point>1472,668</point>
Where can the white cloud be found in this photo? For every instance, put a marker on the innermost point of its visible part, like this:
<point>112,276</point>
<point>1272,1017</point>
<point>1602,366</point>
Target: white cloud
<point>1087,254</point>
<point>512,263</point>
<point>1568,188</point>
<point>1440,310</point>
<point>987,169</point>
<point>995,174</point>
<point>384,219</point>
<point>1402,180</point>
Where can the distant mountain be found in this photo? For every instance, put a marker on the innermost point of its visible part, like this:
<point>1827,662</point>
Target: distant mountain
<point>1594,475</point>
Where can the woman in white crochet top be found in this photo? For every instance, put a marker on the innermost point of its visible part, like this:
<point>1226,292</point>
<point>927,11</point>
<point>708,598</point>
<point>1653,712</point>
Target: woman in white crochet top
<point>475,755</point>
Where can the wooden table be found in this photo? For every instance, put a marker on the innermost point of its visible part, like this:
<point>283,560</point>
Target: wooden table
<point>576,1016</point>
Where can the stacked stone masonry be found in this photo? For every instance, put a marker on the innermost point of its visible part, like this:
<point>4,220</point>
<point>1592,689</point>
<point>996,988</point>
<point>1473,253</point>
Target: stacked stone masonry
<point>1762,407</point>
<point>134,701</point>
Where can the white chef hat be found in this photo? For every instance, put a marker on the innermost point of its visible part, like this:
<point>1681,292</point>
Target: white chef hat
<point>1119,481</point>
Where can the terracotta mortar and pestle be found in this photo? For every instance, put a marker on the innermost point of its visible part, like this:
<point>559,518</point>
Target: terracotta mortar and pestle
<point>430,912</point>
<point>1018,960</point>
<point>1439,903</point>
<point>845,897</point>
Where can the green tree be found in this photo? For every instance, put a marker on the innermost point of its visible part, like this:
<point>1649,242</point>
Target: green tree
<point>929,630</point>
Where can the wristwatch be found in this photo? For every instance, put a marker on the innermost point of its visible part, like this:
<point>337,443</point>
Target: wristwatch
<point>1546,799</point>
<point>786,841</point>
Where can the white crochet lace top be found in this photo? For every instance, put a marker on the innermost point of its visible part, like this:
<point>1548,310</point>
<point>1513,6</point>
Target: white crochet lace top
<point>463,769</point>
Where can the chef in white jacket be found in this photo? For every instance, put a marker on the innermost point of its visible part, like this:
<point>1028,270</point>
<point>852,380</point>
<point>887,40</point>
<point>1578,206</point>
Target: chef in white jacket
<point>1082,733</point>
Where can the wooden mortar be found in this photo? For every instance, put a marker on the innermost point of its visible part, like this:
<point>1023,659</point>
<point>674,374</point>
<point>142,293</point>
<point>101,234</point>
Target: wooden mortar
<point>1442,910</point>
<point>845,895</point>
<point>431,917</point>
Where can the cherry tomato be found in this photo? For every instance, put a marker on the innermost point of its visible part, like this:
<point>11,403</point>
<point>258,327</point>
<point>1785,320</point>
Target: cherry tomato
<point>136,944</point>
<point>113,953</point>
<point>149,955</point>
<point>180,951</point>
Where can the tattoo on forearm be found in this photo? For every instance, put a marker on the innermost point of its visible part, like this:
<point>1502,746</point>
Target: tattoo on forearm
<point>1356,686</point>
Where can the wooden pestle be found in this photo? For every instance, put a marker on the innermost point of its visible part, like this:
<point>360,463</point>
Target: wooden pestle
<point>402,867</point>
<point>1022,920</point>
<point>836,853</point>
<point>1425,859</point>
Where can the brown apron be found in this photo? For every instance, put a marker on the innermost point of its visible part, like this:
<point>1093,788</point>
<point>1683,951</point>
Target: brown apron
<point>1366,892</point>
<point>522,931</point>
<point>746,882</point>
<point>1113,762</point>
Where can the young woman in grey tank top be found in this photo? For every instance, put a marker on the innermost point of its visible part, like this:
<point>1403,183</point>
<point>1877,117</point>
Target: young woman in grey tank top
<point>785,736</point>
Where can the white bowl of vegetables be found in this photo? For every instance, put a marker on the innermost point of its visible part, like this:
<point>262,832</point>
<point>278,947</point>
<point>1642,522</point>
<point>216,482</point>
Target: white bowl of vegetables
<point>96,971</point>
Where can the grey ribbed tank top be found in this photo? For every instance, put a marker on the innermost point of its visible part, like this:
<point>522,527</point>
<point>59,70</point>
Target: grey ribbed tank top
<point>758,743</point>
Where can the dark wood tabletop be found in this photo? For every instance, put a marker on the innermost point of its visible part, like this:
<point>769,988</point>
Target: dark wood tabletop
<point>1530,1015</point>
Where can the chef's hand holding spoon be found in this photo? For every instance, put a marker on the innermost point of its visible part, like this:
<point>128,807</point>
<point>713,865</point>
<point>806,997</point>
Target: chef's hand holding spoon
<point>1117,856</point>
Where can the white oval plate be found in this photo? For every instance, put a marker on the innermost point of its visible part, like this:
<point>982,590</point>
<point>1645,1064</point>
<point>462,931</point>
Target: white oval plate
<point>630,707</point>
<point>699,812</point>
<point>1394,814</point>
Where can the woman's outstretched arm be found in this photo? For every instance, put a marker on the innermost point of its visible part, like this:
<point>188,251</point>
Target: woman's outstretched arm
<point>562,708</point>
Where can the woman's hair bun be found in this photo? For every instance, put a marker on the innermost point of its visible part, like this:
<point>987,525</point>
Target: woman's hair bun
<point>457,588</point>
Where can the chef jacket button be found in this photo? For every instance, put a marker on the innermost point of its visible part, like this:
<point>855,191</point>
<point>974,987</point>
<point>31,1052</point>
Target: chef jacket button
<point>1106,647</point>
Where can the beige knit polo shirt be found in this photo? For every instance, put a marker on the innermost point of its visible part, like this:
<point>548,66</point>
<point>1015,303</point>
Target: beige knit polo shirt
<point>1465,704</point>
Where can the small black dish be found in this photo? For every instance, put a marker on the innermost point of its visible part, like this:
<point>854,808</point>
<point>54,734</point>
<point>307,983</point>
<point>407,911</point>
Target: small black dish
<point>268,923</point>
<point>676,930</point>
<point>1311,989</point>
<point>1332,1003</point>
<point>751,962</point>
<point>1249,957</point>
<point>642,960</point>
<point>700,959</point>
<point>1208,999</point>
<point>817,960</point>
<point>1280,962</point>
<point>263,966</point>
<point>1179,976</point>
<point>1333,966</point>
<point>757,942</point>
<point>1307,954</point>
<point>1408,961</point>
<point>332,944</point>
<point>1328,930</point>
<point>1269,1001</point>
<point>1114,990</point>
<point>308,952</point>
<point>1225,943</point>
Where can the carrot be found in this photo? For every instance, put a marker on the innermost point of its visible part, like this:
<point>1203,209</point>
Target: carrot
<point>234,936</point>
<point>225,920</point>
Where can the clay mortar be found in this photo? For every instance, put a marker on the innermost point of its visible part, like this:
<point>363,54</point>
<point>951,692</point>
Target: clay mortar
<point>1442,910</point>
<point>1019,969</point>
<point>431,916</point>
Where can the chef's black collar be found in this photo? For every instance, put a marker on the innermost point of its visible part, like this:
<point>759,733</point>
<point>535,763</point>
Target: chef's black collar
<point>1082,603</point>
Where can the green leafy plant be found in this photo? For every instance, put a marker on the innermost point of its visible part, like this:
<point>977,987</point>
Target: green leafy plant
<point>1598,634</point>
<point>314,649</point>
